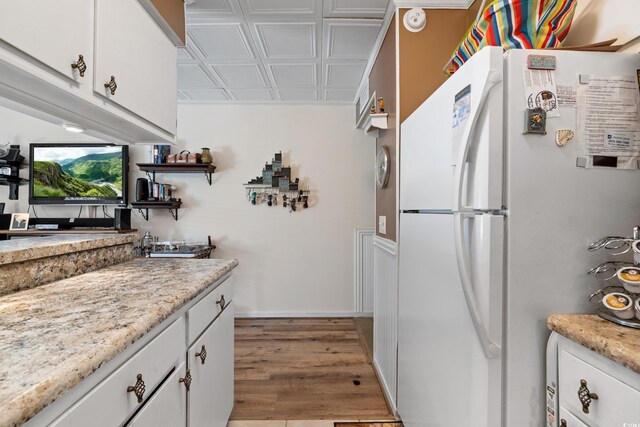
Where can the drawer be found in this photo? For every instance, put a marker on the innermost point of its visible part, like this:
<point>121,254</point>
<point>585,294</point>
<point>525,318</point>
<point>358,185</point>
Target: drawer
<point>207,309</point>
<point>109,403</point>
<point>569,419</point>
<point>617,403</point>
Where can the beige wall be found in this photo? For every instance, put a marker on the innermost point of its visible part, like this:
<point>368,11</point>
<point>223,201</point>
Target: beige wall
<point>298,263</point>
<point>382,80</point>
<point>423,55</point>
<point>173,12</point>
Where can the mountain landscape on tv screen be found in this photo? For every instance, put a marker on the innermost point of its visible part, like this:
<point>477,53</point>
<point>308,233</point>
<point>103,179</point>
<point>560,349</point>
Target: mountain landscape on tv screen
<point>93,175</point>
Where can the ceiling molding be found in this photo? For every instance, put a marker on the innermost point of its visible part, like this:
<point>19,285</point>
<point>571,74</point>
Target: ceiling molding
<point>332,9</point>
<point>240,76</point>
<point>263,41</point>
<point>305,8</point>
<point>196,12</point>
<point>283,51</point>
<point>298,94</point>
<point>337,74</point>
<point>332,37</point>
<point>281,82</point>
<point>231,30</point>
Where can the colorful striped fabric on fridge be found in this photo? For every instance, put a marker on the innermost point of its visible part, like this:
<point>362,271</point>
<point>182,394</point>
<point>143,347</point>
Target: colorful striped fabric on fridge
<point>515,24</point>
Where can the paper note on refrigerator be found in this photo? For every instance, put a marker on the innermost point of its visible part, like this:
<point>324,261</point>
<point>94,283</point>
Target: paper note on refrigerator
<point>609,120</point>
<point>566,97</point>
<point>540,91</point>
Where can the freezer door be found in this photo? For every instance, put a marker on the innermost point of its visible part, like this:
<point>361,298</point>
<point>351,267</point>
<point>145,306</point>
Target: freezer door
<point>429,144</point>
<point>426,175</point>
<point>478,153</point>
<point>444,377</point>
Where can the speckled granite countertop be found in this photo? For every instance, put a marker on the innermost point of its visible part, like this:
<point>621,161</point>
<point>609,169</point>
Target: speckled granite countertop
<point>84,321</point>
<point>618,343</point>
<point>25,248</point>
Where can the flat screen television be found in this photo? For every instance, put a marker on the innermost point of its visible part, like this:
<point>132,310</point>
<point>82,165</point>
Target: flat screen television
<point>78,174</point>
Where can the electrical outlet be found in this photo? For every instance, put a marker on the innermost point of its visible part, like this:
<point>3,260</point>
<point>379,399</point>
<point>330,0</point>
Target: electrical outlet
<point>382,224</point>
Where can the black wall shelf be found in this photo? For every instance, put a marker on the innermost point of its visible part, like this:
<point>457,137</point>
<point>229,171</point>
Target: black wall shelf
<point>154,168</point>
<point>10,166</point>
<point>143,207</point>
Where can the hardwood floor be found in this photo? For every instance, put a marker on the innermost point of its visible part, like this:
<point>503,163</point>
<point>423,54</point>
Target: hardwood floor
<point>304,369</point>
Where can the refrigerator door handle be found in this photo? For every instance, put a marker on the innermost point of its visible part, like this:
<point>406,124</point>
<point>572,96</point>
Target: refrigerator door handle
<point>493,78</point>
<point>491,349</point>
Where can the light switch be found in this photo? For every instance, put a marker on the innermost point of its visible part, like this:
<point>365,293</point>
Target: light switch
<point>382,224</point>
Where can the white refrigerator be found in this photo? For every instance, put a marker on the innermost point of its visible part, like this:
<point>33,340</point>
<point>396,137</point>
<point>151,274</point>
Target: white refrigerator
<point>493,238</point>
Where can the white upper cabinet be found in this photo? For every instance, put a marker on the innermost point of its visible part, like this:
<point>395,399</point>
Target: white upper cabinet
<point>41,42</point>
<point>134,53</point>
<point>55,33</point>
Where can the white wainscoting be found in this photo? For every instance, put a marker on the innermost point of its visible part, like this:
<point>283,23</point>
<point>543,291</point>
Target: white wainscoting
<point>363,292</point>
<point>385,315</point>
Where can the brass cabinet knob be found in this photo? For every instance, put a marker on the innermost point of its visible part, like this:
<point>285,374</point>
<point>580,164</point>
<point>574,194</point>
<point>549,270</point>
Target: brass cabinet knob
<point>111,85</point>
<point>221,302</point>
<point>563,423</point>
<point>80,65</point>
<point>202,354</point>
<point>186,380</point>
<point>585,396</point>
<point>138,389</point>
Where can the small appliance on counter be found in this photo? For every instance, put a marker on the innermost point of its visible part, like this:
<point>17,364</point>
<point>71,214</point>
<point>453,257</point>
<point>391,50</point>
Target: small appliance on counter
<point>620,295</point>
<point>152,247</point>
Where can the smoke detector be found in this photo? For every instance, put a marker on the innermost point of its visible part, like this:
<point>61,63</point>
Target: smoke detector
<point>415,20</point>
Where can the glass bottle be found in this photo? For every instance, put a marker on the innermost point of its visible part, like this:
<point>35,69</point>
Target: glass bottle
<point>147,240</point>
<point>206,156</point>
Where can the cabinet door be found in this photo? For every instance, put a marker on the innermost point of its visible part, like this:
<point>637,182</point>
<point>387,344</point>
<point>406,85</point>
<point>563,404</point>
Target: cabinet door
<point>568,420</point>
<point>211,395</point>
<point>143,61</point>
<point>617,403</point>
<point>168,406</point>
<point>52,32</point>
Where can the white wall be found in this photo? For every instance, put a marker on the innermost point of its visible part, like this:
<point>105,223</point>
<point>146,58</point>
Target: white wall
<point>299,262</point>
<point>599,20</point>
<point>290,263</point>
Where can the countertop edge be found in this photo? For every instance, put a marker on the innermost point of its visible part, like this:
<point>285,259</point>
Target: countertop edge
<point>617,343</point>
<point>53,247</point>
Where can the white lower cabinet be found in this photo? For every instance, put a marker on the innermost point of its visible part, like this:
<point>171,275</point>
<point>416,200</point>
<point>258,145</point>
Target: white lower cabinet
<point>568,420</point>
<point>210,360</point>
<point>126,390</point>
<point>168,406</point>
<point>156,386</point>
<point>594,391</point>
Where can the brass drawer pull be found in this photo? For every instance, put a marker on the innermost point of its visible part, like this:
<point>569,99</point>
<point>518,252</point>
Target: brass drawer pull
<point>138,389</point>
<point>202,355</point>
<point>111,85</point>
<point>80,65</point>
<point>186,380</point>
<point>585,396</point>
<point>221,302</point>
<point>563,423</point>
